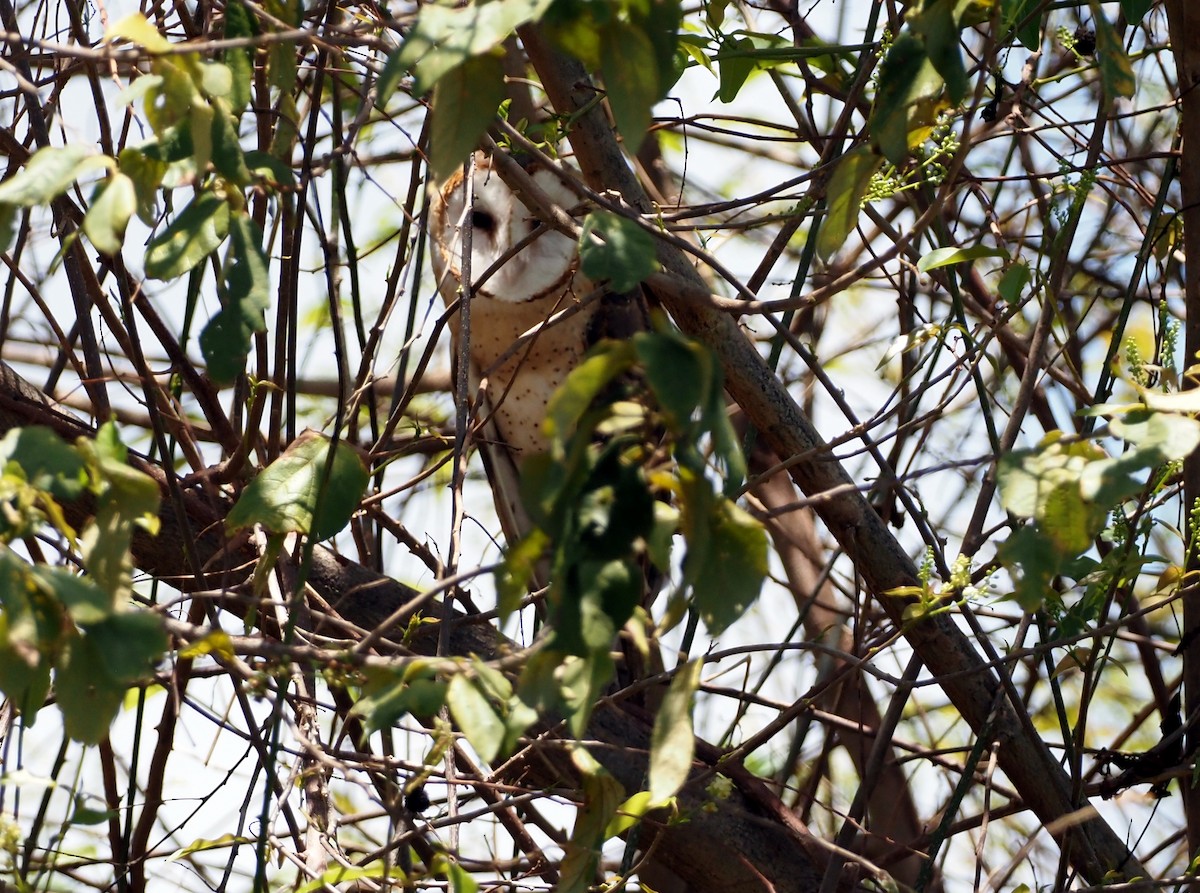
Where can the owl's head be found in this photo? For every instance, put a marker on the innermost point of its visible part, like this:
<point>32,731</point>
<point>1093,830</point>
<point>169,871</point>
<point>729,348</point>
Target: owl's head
<point>498,221</point>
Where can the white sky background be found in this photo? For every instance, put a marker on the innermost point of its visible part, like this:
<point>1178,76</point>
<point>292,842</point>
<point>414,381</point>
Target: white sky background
<point>205,753</point>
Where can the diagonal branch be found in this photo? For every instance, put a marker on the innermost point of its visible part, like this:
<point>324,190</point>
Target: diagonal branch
<point>1091,845</point>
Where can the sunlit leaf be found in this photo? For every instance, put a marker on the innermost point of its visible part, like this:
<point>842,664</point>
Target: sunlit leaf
<point>944,257</point>
<point>114,202</point>
<point>200,845</point>
<point>46,461</point>
<point>444,37</point>
<point>513,576</point>
<point>937,25</point>
<point>672,742</point>
<point>583,384</point>
<point>49,173</point>
<point>136,28</point>
<point>906,77</point>
<point>387,699</point>
<point>193,235</point>
<point>302,491</point>
<point>474,714</point>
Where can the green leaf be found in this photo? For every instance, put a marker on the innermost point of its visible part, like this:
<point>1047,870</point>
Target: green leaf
<point>673,741</point>
<point>513,576</point>
<point>45,460</point>
<point>1038,560</point>
<point>602,794</point>
<point>615,248</point>
<point>680,372</point>
<point>846,190</point>
<point>460,880</point>
<point>146,174</point>
<point>238,23</point>
<point>49,173</point>
<point>583,384</point>
<point>339,874</point>
<point>631,78</point>
<point>465,100</point>
<point>227,155</point>
<point>86,603</point>
<point>26,684</point>
<point>1024,15</point>
<point>20,618</point>
<point>245,297</point>
<point>293,495</point>
<point>82,814</point>
<point>474,714</point>
<point>201,844</point>
<point>726,560</point>
<point>270,170</point>
<point>937,25</point>
<point>1135,10</point>
<point>1045,484</point>
<point>193,235</point>
<point>389,78</point>
<point>126,498</point>
<point>629,814</point>
<point>583,682</point>
<point>88,696</point>
<point>130,644</point>
<point>908,84</point>
<point>113,203</point>
<point>1116,74</point>
<point>8,225</point>
<point>1013,282</point>
<point>445,37</point>
<point>944,257</point>
<point>216,80</point>
<point>736,65</point>
<point>389,698</point>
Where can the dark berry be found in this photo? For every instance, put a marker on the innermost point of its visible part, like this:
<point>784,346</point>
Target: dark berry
<point>1085,41</point>
<point>416,801</point>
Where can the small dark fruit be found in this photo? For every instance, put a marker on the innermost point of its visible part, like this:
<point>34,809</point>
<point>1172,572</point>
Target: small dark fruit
<point>1085,41</point>
<point>416,801</point>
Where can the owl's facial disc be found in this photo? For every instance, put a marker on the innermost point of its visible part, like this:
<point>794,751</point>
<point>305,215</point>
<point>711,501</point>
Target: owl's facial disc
<point>498,221</point>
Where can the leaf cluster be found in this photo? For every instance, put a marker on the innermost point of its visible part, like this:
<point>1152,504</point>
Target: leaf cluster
<point>80,628</point>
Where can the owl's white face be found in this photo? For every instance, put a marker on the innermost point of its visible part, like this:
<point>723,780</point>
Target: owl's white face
<point>498,221</point>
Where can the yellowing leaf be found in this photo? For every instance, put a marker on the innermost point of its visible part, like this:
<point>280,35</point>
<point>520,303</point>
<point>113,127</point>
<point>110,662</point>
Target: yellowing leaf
<point>673,742</point>
<point>136,28</point>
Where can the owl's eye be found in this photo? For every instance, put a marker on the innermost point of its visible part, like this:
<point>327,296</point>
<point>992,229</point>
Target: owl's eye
<point>483,221</point>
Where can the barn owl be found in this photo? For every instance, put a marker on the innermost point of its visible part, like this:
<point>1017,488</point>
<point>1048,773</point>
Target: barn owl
<point>528,288</point>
